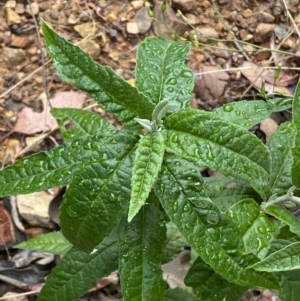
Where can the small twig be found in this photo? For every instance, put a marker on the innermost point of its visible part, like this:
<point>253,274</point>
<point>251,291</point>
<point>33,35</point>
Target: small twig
<point>18,295</point>
<point>24,79</point>
<point>96,10</point>
<point>291,18</point>
<point>42,54</point>
<point>246,68</point>
<point>15,215</point>
<point>288,197</point>
<point>237,45</point>
<point>13,281</point>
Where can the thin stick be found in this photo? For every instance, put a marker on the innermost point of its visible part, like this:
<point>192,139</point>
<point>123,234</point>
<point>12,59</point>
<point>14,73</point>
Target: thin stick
<point>42,54</point>
<point>24,79</point>
<point>18,295</point>
<point>291,18</point>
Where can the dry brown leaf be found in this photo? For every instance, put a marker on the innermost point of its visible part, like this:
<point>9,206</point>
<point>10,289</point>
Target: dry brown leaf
<point>9,150</point>
<point>7,234</point>
<point>30,122</point>
<point>210,85</point>
<point>256,75</point>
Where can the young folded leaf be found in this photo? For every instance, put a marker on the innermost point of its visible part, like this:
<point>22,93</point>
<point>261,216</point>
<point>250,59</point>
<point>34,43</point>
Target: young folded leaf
<point>146,166</point>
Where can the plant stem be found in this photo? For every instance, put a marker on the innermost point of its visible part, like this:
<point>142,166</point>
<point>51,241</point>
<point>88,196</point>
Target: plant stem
<point>289,197</point>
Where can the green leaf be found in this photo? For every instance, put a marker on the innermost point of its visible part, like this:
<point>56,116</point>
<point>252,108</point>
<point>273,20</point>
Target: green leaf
<point>290,286</point>
<point>280,145</point>
<point>174,244</point>
<point>140,255</point>
<point>146,166</point>
<point>279,244</point>
<point>45,170</point>
<point>162,72</point>
<point>257,229</point>
<point>283,260</point>
<point>210,141</point>
<point>53,242</point>
<point>296,148</point>
<point>285,216</point>
<point>84,123</point>
<point>178,294</point>
<point>280,104</point>
<point>244,113</point>
<point>249,113</point>
<point>77,271</point>
<point>209,286</point>
<point>213,235</point>
<point>98,196</point>
<point>111,91</point>
<point>225,192</point>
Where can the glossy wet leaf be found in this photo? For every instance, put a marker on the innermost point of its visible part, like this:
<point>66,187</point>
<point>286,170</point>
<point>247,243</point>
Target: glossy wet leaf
<point>257,229</point>
<point>296,148</point>
<point>225,192</point>
<point>77,271</point>
<point>280,145</point>
<point>178,294</point>
<point>249,113</point>
<point>289,285</point>
<point>218,144</point>
<point>162,72</point>
<point>209,286</point>
<point>53,242</point>
<point>285,216</point>
<point>279,244</point>
<point>283,260</point>
<point>150,152</point>
<point>213,235</point>
<point>140,255</point>
<point>174,244</point>
<point>83,123</point>
<point>98,196</point>
<point>45,170</point>
<point>244,113</point>
<point>110,90</point>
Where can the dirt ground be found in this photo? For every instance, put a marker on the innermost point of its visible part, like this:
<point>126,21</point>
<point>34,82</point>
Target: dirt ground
<point>236,45</point>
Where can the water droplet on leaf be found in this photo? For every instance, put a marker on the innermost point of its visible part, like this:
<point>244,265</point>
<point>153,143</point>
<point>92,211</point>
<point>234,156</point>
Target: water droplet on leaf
<point>112,197</point>
<point>175,138</point>
<point>175,206</point>
<point>228,108</point>
<point>262,229</point>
